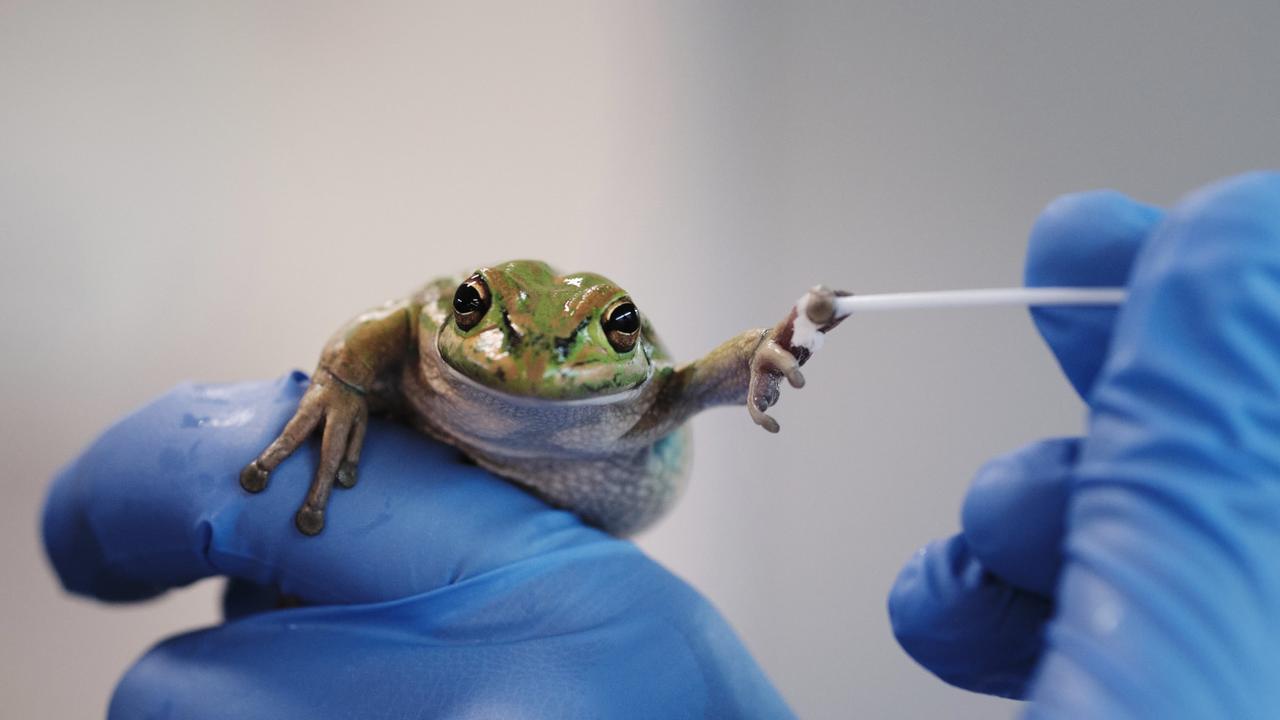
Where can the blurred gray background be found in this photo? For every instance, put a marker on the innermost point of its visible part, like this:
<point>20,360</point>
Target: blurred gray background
<point>206,190</point>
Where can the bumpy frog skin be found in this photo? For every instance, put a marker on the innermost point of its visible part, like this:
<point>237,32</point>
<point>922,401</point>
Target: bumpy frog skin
<point>555,382</point>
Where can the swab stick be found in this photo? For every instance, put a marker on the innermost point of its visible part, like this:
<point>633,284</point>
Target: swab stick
<point>821,309</point>
<point>801,332</point>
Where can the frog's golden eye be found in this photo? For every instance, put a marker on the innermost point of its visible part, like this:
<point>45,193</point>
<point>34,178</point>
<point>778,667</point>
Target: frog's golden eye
<point>621,323</point>
<point>470,302</point>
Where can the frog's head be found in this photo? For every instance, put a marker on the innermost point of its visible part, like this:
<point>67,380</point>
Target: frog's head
<point>524,330</point>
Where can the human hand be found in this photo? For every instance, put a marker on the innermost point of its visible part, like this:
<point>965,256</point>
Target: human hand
<point>437,590</point>
<point>1132,572</point>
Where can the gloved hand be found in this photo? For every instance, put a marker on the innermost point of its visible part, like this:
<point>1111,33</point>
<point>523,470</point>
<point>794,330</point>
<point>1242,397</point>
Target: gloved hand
<point>1134,572</point>
<point>437,590</point>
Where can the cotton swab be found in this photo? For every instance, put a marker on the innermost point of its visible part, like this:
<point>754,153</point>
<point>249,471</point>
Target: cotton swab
<point>849,304</point>
<point>800,334</point>
<point>820,309</point>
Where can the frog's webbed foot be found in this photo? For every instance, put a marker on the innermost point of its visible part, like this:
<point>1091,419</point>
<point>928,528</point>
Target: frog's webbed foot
<point>344,414</point>
<point>786,347</point>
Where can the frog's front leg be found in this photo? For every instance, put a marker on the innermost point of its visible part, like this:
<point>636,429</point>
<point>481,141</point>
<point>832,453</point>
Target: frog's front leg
<point>348,376</point>
<point>343,412</point>
<point>747,369</point>
<point>788,346</point>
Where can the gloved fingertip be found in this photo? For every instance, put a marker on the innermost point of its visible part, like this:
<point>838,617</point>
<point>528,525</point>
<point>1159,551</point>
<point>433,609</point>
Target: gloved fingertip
<point>1014,513</point>
<point>965,625</point>
<point>1082,240</point>
<point>1088,239</point>
<point>924,595</point>
<point>73,549</point>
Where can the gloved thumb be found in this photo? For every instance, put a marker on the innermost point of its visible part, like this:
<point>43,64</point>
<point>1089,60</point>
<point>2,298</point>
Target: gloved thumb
<point>1166,605</point>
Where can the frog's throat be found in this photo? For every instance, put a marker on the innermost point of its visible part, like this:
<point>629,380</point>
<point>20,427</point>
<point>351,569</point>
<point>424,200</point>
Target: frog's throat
<point>457,376</point>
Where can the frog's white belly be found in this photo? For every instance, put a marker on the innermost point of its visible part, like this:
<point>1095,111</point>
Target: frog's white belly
<point>574,453</point>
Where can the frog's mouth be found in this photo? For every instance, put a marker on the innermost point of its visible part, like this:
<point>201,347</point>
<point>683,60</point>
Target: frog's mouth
<point>575,384</point>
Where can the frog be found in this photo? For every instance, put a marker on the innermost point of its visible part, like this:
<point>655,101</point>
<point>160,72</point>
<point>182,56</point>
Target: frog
<point>556,382</point>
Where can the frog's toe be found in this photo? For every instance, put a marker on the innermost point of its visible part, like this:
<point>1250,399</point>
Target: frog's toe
<point>775,359</point>
<point>793,374</point>
<point>348,474</point>
<point>253,477</point>
<point>310,521</point>
<point>763,419</point>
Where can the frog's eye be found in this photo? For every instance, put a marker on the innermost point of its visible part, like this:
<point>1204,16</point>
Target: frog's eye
<point>621,323</point>
<point>470,302</point>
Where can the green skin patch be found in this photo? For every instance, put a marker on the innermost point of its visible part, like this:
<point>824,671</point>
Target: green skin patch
<point>542,336</point>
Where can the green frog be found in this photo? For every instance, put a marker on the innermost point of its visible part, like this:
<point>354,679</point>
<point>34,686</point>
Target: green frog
<point>556,382</point>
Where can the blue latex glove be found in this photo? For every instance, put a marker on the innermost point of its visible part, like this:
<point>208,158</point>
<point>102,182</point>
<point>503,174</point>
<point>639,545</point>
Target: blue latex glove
<point>1134,572</point>
<point>436,590</point>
